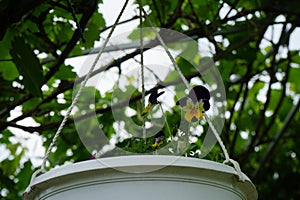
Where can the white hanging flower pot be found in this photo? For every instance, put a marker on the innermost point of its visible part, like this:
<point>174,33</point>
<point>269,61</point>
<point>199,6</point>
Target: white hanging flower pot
<point>146,177</point>
<point>142,177</point>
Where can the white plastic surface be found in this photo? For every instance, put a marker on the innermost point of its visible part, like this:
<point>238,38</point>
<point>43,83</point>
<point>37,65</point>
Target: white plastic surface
<point>142,177</point>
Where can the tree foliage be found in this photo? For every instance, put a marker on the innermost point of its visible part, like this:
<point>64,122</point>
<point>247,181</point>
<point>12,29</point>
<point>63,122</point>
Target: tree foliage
<point>260,72</point>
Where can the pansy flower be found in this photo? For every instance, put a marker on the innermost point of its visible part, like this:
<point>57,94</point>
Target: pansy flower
<point>152,101</point>
<point>157,143</point>
<point>195,104</point>
<point>193,112</point>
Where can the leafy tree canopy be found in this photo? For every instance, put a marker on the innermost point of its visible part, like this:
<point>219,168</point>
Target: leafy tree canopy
<point>259,67</point>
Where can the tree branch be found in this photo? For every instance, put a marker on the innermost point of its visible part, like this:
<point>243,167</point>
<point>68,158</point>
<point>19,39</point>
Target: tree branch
<point>278,136</point>
<point>240,113</point>
<point>119,105</point>
<point>261,120</point>
<point>83,21</point>
<point>55,67</point>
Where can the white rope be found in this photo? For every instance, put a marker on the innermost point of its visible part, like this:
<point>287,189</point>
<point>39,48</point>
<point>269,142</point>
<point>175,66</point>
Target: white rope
<point>227,158</point>
<point>75,100</point>
<point>167,51</point>
<point>142,67</point>
<point>142,53</point>
<point>137,61</point>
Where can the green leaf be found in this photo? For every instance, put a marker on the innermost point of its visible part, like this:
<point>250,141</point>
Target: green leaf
<point>274,99</point>
<point>9,166</point>
<point>8,70</point>
<point>5,45</point>
<point>246,121</point>
<point>30,104</point>
<point>28,66</point>
<point>172,76</point>
<point>249,5</point>
<point>285,105</point>
<point>5,135</point>
<point>23,177</point>
<point>257,87</point>
<point>63,31</point>
<point>65,73</point>
<point>147,33</point>
<point>226,68</point>
<point>296,57</point>
<point>92,32</point>
<point>205,9</point>
<point>294,79</point>
<point>185,66</point>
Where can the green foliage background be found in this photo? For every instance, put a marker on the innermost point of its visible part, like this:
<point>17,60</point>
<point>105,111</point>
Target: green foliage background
<point>270,155</point>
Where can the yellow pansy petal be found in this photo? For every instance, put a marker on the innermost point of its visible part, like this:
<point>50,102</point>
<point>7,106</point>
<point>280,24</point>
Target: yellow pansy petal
<point>192,115</point>
<point>188,117</point>
<point>200,115</point>
<point>155,145</point>
<point>200,107</point>
<point>189,105</point>
<point>193,112</point>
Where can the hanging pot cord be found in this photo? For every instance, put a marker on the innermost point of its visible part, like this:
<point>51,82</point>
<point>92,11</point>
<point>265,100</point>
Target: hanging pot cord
<point>75,100</point>
<point>166,50</point>
<point>184,80</point>
<point>137,61</point>
<point>227,158</point>
<point>142,67</point>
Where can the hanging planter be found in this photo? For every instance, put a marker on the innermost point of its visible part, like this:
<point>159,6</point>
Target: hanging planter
<point>142,177</point>
<point>147,176</point>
